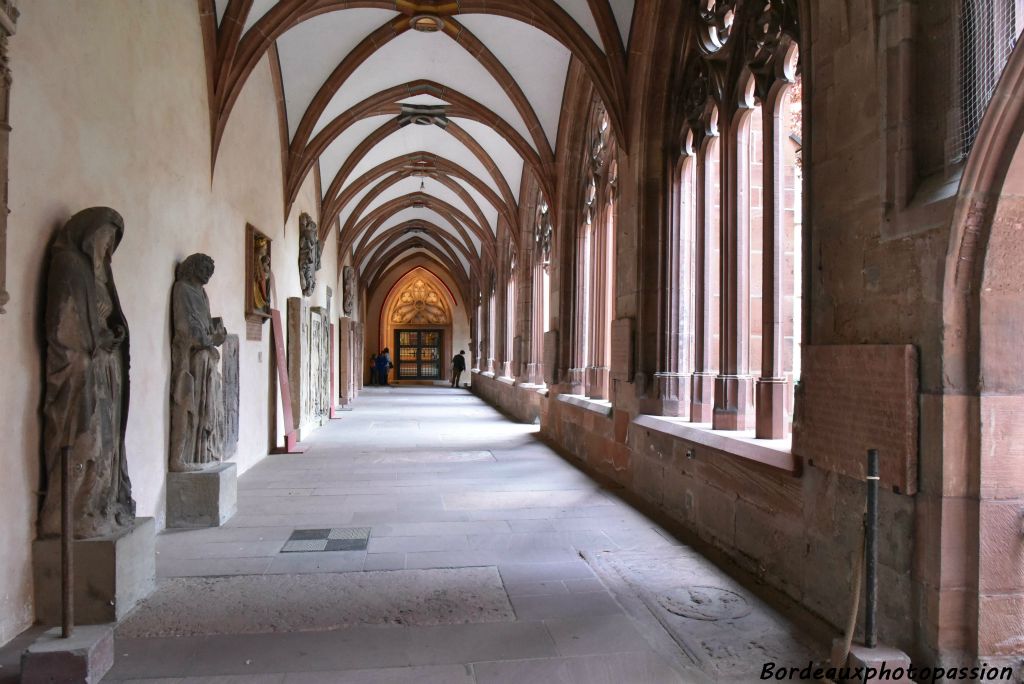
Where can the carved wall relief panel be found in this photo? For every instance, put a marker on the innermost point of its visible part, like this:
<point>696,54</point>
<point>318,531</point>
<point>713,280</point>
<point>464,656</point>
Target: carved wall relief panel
<point>308,362</point>
<point>309,253</point>
<point>229,371</point>
<point>348,292</point>
<point>319,397</point>
<point>8,17</point>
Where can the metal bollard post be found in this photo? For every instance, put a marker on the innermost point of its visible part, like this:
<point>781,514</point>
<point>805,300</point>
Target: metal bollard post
<point>871,542</point>
<point>67,561</point>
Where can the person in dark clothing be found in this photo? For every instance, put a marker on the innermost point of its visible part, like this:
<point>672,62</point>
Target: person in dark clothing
<point>373,368</point>
<point>383,366</point>
<point>458,365</point>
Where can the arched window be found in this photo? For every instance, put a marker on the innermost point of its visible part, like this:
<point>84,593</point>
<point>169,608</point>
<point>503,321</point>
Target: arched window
<point>541,288</point>
<point>492,325</point>
<point>736,252</point>
<point>707,200</point>
<point>508,368</point>
<point>595,245</point>
<point>989,29</point>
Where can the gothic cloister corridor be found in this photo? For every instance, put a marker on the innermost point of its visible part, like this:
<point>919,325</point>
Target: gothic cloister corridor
<point>476,570</point>
<point>701,322</point>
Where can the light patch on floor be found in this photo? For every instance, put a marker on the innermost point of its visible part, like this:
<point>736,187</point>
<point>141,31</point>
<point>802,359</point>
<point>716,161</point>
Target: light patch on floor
<point>422,457</point>
<point>395,425</point>
<point>475,501</point>
<point>256,604</point>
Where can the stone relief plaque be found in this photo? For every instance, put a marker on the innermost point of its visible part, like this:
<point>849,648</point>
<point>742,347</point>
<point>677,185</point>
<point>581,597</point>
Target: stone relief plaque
<point>309,254</point>
<point>8,17</point>
<point>348,291</point>
<point>308,362</point>
<point>229,371</point>
<point>319,364</point>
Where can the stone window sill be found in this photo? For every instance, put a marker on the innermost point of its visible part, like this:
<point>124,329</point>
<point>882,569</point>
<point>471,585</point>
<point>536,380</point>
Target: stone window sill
<point>774,453</point>
<point>599,406</point>
<point>508,380</point>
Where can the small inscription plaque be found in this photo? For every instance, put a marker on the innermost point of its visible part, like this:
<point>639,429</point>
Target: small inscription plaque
<point>854,398</point>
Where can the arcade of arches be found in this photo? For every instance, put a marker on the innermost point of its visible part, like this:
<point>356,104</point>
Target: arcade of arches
<point>714,249</point>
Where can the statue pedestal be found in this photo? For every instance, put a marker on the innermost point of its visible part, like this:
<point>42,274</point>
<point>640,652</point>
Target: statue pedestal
<point>84,657</point>
<point>112,574</point>
<point>202,498</point>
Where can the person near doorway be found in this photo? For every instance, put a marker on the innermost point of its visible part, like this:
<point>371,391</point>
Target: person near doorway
<point>373,368</point>
<point>383,366</point>
<point>458,366</point>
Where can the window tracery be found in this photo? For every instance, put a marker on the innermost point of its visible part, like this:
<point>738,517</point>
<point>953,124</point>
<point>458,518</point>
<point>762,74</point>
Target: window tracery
<point>594,263</point>
<point>733,326</point>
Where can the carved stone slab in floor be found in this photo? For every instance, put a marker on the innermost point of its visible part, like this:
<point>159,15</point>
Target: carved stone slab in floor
<point>203,498</point>
<point>263,604</point>
<point>723,628</point>
<point>112,574</point>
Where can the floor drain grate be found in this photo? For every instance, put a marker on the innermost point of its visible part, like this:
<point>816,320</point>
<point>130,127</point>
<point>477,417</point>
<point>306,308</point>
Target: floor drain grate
<point>328,539</point>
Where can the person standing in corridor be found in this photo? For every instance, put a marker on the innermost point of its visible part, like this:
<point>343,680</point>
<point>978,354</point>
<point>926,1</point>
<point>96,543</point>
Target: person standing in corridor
<point>458,366</point>
<point>383,366</point>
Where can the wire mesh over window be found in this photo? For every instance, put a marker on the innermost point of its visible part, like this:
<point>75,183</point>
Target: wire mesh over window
<point>988,31</point>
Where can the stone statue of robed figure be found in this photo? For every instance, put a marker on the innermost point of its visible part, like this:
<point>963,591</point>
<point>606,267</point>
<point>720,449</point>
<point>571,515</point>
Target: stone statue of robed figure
<point>86,398</point>
<point>197,398</point>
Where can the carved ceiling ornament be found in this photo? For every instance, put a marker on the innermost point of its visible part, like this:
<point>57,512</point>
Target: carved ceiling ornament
<point>420,303</point>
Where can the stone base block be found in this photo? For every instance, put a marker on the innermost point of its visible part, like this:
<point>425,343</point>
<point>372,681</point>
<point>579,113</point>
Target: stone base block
<point>878,664</point>
<point>202,498</point>
<point>112,574</point>
<point>85,656</point>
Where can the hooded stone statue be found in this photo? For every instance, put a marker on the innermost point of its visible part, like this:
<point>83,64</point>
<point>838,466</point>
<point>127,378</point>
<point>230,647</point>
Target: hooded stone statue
<point>197,399</point>
<point>86,400</point>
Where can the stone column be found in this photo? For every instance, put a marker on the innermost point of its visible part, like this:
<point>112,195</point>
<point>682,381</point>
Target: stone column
<point>600,301</point>
<point>535,367</point>
<point>672,384</point>
<point>576,374</point>
<point>508,352</point>
<point>8,18</point>
<point>772,385</point>
<point>733,386</point>
<point>703,382</point>
<point>360,355</point>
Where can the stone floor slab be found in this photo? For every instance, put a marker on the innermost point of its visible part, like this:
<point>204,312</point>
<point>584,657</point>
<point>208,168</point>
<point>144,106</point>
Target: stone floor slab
<point>318,602</point>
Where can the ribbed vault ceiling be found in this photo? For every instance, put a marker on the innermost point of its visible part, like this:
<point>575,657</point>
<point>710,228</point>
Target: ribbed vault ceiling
<point>397,181</point>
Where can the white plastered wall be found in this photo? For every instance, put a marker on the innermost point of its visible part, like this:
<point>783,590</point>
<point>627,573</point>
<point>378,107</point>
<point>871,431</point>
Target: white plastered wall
<point>110,107</point>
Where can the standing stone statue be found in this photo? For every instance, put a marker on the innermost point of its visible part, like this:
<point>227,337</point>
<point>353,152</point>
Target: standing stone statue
<point>86,402</point>
<point>348,295</point>
<point>309,254</point>
<point>198,423</point>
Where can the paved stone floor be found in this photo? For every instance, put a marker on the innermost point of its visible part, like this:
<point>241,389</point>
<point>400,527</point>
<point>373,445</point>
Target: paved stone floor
<point>489,559</point>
